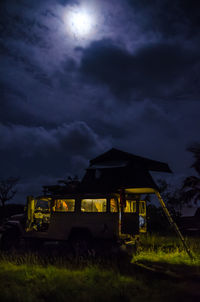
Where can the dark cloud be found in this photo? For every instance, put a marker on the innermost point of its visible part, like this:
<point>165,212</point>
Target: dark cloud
<point>66,2</point>
<point>65,99</point>
<point>41,156</point>
<point>10,98</point>
<point>24,61</point>
<point>15,24</point>
<point>76,138</point>
<point>154,70</point>
<point>178,18</point>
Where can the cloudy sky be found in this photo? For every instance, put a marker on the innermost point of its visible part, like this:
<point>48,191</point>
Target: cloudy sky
<point>80,77</point>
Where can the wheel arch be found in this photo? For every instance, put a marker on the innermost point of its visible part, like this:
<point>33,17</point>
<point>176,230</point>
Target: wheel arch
<point>79,232</point>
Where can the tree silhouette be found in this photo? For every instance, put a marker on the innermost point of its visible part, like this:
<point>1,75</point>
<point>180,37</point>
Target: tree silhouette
<point>172,197</point>
<point>191,185</point>
<point>7,191</point>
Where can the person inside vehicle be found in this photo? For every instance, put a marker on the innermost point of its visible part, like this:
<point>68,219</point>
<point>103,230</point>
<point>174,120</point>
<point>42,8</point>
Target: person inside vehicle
<point>113,205</point>
<point>60,205</point>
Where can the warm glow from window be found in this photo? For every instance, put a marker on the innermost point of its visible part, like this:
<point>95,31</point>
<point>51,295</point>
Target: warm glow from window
<point>64,205</point>
<point>130,206</point>
<point>113,205</point>
<point>93,205</point>
<point>142,207</point>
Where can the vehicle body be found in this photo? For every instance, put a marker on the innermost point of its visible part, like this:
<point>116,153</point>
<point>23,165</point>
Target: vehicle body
<point>93,217</point>
<point>106,205</point>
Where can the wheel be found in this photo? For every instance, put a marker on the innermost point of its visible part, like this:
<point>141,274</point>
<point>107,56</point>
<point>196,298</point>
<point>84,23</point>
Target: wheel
<point>33,244</point>
<point>10,239</point>
<point>81,246</point>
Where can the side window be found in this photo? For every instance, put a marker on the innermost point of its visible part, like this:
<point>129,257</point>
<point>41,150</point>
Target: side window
<point>142,207</point>
<point>64,205</point>
<point>93,205</point>
<point>113,205</point>
<point>130,206</point>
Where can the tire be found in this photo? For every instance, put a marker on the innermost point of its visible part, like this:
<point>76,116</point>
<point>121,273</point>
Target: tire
<point>81,245</point>
<point>33,244</point>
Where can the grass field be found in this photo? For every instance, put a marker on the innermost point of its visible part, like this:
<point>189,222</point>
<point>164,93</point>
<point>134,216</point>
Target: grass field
<point>169,250</point>
<point>167,255</point>
<point>159,271</point>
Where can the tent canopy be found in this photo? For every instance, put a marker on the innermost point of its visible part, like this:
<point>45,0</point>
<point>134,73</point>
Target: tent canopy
<point>116,169</point>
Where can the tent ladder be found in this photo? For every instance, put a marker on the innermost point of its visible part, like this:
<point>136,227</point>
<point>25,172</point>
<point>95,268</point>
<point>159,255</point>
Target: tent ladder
<point>173,224</point>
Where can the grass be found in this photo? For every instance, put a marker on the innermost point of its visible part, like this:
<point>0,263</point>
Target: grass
<point>35,277</point>
<point>36,283</point>
<point>175,257</point>
<point>167,253</point>
<point>171,247</point>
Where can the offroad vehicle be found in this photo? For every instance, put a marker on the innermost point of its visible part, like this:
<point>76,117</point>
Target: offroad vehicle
<point>106,205</point>
<point>80,219</point>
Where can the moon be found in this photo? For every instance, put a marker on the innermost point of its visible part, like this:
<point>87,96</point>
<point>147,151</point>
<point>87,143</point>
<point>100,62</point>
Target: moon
<point>80,22</point>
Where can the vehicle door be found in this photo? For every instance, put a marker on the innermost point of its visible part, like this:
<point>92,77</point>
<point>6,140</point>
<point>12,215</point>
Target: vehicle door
<point>130,217</point>
<point>38,214</point>
<point>63,218</point>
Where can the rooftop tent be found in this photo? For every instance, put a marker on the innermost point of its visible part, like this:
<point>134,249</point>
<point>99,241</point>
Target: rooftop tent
<point>114,155</point>
<point>116,169</point>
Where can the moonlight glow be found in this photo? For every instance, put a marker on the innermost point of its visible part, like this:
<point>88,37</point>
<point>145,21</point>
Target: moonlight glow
<point>81,23</point>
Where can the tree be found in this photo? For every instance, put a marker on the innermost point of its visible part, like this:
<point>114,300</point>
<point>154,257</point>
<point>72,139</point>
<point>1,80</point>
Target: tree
<point>156,219</point>
<point>7,191</point>
<point>191,185</point>
<point>172,197</point>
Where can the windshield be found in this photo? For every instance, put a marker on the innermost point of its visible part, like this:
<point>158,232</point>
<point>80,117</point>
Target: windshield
<point>42,205</point>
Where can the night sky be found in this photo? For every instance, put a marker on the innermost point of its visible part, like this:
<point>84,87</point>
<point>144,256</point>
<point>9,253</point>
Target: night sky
<point>80,77</point>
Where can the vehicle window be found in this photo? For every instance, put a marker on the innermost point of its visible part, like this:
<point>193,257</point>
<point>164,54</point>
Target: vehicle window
<point>142,207</point>
<point>93,205</point>
<point>113,205</point>
<point>64,205</point>
<point>130,206</point>
<point>42,205</point>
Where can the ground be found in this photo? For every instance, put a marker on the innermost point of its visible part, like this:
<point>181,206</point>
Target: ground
<point>159,271</point>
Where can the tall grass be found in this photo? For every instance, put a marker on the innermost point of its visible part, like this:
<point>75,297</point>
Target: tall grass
<point>168,250</point>
<point>28,283</point>
<point>36,283</point>
<point>47,277</point>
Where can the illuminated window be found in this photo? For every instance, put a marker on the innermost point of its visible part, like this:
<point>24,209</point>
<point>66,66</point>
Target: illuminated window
<point>93,205</point>
<point>130,206</point>
<point>142,207</point>
<point>64,205</point>
<point>113,205</point>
